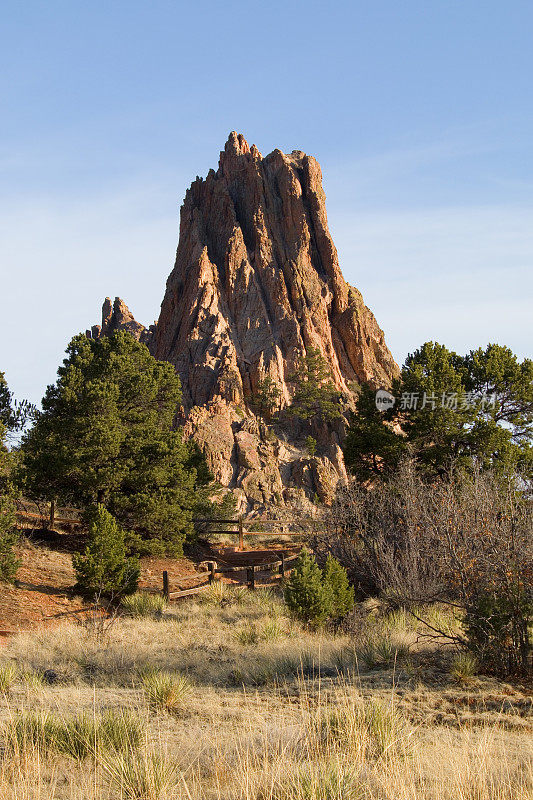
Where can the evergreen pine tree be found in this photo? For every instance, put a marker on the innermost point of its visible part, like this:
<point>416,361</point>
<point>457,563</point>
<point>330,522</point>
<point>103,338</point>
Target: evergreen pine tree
<point>451,411</point>
<point>103,569</point>
<point>305,593</point>
<point>315,395</point>
<point>9,563</point>
<point>265,399</point>
<point>107,435</point>
<point>310,446</point>
<point>341,593</point>
<point>12,418</point>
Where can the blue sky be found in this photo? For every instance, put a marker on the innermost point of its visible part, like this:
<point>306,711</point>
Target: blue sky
<point>420,114</point>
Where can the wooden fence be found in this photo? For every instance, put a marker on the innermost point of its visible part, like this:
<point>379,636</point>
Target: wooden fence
<point>212,571</point>
<point>235,527</point>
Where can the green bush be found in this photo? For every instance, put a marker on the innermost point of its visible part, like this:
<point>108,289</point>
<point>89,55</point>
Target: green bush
<point>306,595</point>
<point>341,593</point>
<point>9,563</point>
<point>104,568</point>
<point>497,626</point>
<point>314,596</point>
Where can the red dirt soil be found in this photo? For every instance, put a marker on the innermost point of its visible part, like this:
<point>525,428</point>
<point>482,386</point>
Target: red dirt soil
<point>43,593</point>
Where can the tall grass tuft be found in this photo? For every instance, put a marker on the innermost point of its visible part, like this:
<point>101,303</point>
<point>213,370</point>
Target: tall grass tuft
<point>215,594</point>
<point>329,780</point>
<point>166,690</point>
<point>264,598</point>
<point>122,731</point>
<point>143,604</point>
<point>388,732</point>
<point>367,730</point>
<point>239,595</point>
<point>381,650</point>
<point>30,733</point>
<point>77,737</point>
<point>144,776</point>
<point>248,635</point>
<point>272,630</point>
<point>8,676</point>
<point>33,679</point>
<point>464,668</point>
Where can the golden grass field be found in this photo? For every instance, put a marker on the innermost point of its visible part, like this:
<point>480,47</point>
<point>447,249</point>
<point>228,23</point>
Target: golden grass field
<point>225,697</point>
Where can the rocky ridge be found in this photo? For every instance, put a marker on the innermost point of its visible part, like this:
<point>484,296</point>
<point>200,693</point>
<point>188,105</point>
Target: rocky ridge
<point>256,283</point>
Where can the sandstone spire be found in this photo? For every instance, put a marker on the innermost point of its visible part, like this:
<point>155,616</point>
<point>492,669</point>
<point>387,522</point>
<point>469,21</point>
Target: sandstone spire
<point>256,283</point>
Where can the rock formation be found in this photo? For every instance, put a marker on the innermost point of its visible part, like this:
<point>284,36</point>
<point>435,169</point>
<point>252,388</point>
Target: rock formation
<point>256,283</point>
<point>118,317</point>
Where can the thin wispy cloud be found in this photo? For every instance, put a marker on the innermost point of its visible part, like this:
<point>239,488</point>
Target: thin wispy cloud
<point>462,276</point>
<point>401,161</point>
<point>462,166</point>
<point>64,255</point>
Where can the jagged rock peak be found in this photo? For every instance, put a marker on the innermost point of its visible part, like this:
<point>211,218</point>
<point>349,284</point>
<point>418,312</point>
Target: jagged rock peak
<point>257,282</point>
<point>236,144</point>
<point>116,316</point>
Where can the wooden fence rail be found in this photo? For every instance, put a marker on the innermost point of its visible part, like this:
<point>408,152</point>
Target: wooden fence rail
<point>211,527</point>
<point>213,570</point>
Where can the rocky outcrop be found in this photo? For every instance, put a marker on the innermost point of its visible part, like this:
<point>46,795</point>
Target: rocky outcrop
<point>258,463</point>
<point>256,283</point>
<point>118,317</point>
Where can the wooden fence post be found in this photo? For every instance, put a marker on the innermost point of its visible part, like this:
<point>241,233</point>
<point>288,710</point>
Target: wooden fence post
<point>250,576</point>
<point>52,515</point>
<point>282,566</point>
<point>241,535</point>
<point>212,571</point>
<point>165,585</point>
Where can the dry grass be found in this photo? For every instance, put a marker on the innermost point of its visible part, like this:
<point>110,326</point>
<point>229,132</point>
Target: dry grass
<point>166,690</point>
<point>267,711</point>
<point>464,668</point>
<point>142,604</point>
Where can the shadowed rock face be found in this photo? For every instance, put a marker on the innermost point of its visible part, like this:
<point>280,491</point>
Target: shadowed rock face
<point>257,282</point>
